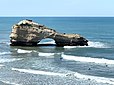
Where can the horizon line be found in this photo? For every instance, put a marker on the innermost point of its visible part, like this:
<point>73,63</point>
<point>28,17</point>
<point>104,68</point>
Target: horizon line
<point>56,16</point>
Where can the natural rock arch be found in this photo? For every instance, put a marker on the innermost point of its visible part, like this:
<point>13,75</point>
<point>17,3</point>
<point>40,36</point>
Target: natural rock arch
<point>29,33</point>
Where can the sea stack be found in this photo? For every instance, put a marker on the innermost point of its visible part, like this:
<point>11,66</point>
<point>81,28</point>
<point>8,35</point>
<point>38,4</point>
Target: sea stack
<point>29,33</point>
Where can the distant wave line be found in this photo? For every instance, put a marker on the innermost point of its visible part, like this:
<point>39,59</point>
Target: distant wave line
<point>87,59</point>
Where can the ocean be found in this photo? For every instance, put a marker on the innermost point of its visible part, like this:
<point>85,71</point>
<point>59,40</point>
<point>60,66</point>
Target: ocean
<point>68,65</point>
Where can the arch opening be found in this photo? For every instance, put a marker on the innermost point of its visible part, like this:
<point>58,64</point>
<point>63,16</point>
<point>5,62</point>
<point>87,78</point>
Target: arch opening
<point>47,42</point>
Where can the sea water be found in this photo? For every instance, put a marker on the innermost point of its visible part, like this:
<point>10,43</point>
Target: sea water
<point>68,65</point>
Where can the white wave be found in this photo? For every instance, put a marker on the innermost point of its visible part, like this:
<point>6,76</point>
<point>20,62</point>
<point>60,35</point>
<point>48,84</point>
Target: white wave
<point>69,47</point>
<point>90,44</point>
<point>9,82</point>
<point>1,65</point>
<point>70,74</point>
<point>9,60</point>
<point>23,51</point>
<point>88,59</point>
<point>97,44</point>
<point>94,78</point>
<point>4,53</point>
<point>46,54</point>
<point>5,42</point>
<point>38,72</point>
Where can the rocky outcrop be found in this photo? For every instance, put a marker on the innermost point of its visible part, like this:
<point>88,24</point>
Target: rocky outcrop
<point>29,33</point>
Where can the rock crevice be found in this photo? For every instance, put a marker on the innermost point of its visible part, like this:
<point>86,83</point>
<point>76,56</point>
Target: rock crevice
<point>29,33</point>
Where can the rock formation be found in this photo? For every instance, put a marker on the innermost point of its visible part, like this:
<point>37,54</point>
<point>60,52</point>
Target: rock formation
<point>29,33</point>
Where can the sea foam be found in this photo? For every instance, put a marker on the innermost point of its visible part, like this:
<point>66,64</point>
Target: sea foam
<point>23,51</point>
<point>94,78</point>
<point>87,59</point>
<point>69,74</point>
<point>1,66</point>
<point>9,82</point>
<point>5,42</point>
<point>38,72</point>
<point>90,44</point>
<point>5,53</point>
<point>46,54</point>
<point>9,60</point>
<point>97,44</point>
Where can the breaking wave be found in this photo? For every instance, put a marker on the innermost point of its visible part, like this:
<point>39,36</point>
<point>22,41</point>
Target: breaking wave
<point>46,54</point>
<point>87,59</point>
<point>5,53</point>
<point>91,44</point>
<point>9,60</point>
<point>38,72</point>
<point>94,78</point>
<point>69,47</point>
<point>97,44</point>
<point>39,53</point>
<point>23,51</point>
<point>5,42</point>
<point>8,82</point>
<point>1,66</point>
<point>69,74</point>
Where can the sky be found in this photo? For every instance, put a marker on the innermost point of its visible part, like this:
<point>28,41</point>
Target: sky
<point>57,8</point>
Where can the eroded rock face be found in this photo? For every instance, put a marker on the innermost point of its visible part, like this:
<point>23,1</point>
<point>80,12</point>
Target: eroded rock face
<point>29,33</point>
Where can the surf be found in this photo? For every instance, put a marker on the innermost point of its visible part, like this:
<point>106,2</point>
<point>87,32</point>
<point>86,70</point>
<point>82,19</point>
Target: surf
<point>1,66</point>
<point>45,54</point>
<point>9,82</point>
<point>94,78</point>
<point>69,74</point>
<point>38,72</point>
<point>90,44</point>
<point>88,59</point>
<point>23,51</point>
<point>98,44</point>
<point>5,53</point>
<point>9,60</point>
